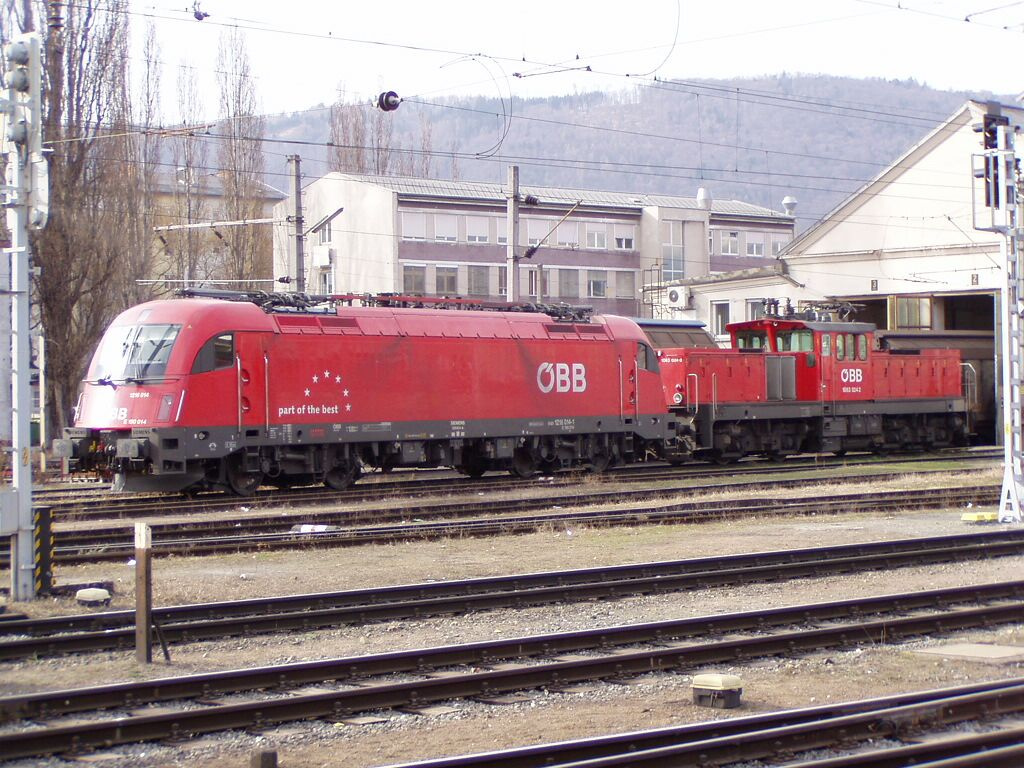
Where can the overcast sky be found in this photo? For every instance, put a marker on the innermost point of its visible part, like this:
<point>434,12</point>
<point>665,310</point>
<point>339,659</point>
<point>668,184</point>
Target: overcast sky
<point>304,51</point>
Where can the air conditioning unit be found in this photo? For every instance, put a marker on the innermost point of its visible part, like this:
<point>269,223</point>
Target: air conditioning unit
<point>678,297</point>
<point>323,256</point>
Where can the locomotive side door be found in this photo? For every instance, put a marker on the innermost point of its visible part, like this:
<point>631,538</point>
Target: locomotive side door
<point>251,403</point>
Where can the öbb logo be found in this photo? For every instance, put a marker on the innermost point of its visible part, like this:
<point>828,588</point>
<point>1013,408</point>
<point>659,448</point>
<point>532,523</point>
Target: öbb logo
<point>562,377</point>
<point>852,375</point>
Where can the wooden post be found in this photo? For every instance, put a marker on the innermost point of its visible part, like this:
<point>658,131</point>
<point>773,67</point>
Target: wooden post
<point>143,594</point>
<point>264,759</point>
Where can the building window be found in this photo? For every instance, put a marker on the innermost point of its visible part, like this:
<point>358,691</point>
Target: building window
<point>537,282</point>
<point>672,265</point>
<point>913,313</point>
<point>568,235</point>
<point>446,228</point>
<point>597,283</point>
<point>755,245</point>
<point>777,246</point>
<point>755,309</point>
<point>327,281</point>
<point>731,244</point>
<point>414,226</point>
<point>625,285</point>
<point>477,229</point>
<point>324,233</point>
<point>569,283</point>
<point>479,281</point>
<point>414,279</point>
<point>625,235</point>
<point>597,236</point>
<point>446,281</point>
<point>536,230</point>
<point>719,317</point>
<point>503,281</point>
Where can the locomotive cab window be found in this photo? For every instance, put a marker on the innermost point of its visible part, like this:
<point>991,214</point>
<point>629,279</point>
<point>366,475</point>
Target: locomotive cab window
<point>751,340</point>
<point>840,347</point>
<point>862,347</point>
<point>796,341</point>
<point>645,358</point>
<point>218,352</point>
<point>826,345</point>
<point>134,353</point>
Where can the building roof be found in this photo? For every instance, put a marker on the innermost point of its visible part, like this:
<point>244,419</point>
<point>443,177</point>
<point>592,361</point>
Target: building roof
<point>968,112</point>
<point>209,184</point>
<point>440,189</point>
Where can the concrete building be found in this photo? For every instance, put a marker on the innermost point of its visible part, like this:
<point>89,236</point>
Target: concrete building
<point>379,234</point>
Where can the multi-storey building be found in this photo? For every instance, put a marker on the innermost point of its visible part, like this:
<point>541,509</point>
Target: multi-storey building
<point>379,234</point>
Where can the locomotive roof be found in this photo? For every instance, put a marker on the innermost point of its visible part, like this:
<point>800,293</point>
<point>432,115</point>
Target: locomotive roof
<point>822,326</point>
<point>213,315</point>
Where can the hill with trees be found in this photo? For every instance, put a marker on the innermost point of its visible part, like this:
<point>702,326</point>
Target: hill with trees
<point>815,137</point>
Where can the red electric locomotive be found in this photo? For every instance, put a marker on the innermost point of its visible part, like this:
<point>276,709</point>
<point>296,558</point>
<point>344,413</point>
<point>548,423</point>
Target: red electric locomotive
<point>206,393</point>
<point>790,385</point>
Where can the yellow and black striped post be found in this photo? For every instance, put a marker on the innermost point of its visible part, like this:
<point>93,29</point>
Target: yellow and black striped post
<point>42,549</point>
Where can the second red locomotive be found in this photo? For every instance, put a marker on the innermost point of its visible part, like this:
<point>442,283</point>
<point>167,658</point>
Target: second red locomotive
<point>208,393</point>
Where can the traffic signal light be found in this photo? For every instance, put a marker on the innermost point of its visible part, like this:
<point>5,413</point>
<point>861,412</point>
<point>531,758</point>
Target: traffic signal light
<point>22,108</point>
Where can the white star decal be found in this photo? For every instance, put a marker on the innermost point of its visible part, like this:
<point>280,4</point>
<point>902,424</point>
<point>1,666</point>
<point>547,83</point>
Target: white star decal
<point>337,379</point>
<point>316,379</point>
<point>348,406</point>
<point>344,393</point>
<point>307,393</point>
<point>327,374</point>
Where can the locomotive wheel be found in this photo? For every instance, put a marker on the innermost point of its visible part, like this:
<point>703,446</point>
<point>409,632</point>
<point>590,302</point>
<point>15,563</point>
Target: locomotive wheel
<point>523,464</point>
<point>599,463</point>
<point>240,482</point>
<point>340,477</point>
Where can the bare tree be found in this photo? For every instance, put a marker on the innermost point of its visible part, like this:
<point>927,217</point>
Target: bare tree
<point>191,253</point>
<point>140,164</point>
<point>80,251</point>
<point>349,150</point>
<point>247,253</point>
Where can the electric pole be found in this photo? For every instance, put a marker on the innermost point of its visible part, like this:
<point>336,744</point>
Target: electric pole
<point>300,266</point>
<point>512,223</point>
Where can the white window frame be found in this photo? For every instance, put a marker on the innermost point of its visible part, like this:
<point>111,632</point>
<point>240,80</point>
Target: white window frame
<point>446,228</point>
<point>717,324</point>
<point>755,246</point>
<point>568,234</point>
<point>597,283</point>
<point>625,237</point>
<point>414,225</point>
<point>535,230</point>
<point>597,236</point>
<point>478,229</point>
<point>324,233</point>
<point>755,309</point>
<point>730,243</point>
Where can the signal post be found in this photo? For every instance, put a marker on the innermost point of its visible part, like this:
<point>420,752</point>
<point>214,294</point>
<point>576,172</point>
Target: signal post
<point>26,197</point>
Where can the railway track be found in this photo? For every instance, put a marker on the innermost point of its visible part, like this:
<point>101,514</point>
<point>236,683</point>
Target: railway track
<point>487,669</point>
<point>787,734</point>
<point>100,503</point>
<point>112,630</point>
<point>480,517</point>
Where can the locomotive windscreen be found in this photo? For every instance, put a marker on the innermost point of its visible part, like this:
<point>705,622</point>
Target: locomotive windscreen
<point>134,352</point>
